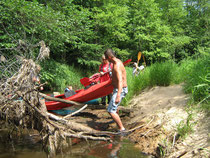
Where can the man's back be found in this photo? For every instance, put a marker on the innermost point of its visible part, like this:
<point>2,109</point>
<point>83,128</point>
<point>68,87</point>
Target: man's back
<point>118,74</point>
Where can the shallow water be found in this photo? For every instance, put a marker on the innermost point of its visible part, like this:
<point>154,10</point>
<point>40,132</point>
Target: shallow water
<point>29,148</point>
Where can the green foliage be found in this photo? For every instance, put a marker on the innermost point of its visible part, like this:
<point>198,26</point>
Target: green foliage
<point>110,25</point>
<point>77,32</point>
<point>59,76</point>
<point>149,33</point>
<point>183,69</point>
<point>194,73</point>
<point>161,151</point>
<point>27,20</point>
<point>65,29</point>
<point>197,79</point>
<point>197,21</point>
<point>161,73</point>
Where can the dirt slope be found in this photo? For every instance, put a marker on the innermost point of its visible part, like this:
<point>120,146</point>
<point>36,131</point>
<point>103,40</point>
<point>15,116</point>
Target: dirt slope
<point>158,111</point>
<point>164,108</point>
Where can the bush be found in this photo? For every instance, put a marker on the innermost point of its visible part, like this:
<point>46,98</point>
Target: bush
<point>59,76</point>
<point>161,74</point>
<point>198,79</point>
<point>184,68</point>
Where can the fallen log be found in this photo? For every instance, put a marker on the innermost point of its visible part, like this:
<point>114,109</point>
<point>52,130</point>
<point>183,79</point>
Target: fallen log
<point>91,106</point>
<point>60,100</point>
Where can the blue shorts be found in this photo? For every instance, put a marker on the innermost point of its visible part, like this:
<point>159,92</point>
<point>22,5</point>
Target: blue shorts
<point>112,108</point>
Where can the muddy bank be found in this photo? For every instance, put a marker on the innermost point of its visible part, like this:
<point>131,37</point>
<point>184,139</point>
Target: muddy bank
<point>158,111</point>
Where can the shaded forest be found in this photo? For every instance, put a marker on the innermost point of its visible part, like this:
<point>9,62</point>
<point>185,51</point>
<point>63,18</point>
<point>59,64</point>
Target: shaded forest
<point>77,32</point>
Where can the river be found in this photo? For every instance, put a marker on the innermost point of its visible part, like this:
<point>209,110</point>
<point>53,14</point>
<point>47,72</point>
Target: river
<point>30,147</point>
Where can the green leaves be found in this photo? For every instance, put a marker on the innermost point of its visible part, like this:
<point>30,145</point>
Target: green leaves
<point>111,20</point>
<point>78,32</point>
<point>59,76</point>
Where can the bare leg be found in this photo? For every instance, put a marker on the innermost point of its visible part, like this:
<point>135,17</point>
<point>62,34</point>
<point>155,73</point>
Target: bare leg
<point>118,121</point>
<point>103,100</point>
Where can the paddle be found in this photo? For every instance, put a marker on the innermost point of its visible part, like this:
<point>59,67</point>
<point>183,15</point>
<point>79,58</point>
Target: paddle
<point>138,58</point>
<point>127,62</point>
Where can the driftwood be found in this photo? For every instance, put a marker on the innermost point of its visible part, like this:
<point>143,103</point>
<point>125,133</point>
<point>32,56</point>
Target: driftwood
<point>123,109</point>
<point>21,105</point>
<point>60,100</point>
<point>74,113</point>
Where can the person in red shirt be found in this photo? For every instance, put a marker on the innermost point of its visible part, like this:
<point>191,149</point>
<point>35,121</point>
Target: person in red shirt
<point>105,72</point>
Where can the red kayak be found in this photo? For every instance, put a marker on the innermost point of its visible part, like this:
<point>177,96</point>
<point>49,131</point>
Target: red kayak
<point>97,90</point>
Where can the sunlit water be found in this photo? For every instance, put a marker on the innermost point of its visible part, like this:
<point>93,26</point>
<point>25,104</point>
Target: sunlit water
<point>29,148</point>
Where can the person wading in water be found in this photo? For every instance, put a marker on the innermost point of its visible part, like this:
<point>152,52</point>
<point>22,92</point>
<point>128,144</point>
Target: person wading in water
<point>119,82</point>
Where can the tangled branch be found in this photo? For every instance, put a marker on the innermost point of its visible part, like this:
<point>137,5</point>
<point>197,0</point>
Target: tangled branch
<point>22,105</point>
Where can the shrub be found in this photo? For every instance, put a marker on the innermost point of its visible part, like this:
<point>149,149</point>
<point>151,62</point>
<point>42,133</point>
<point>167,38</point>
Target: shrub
<point>161,74</point>
<point>198,79</point>
<point>58,75</point>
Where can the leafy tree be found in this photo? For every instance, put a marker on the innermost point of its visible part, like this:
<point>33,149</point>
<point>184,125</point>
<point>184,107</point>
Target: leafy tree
<point>197,25</point>
<point>31,22</point>
<point>66,28</point>
<point>147,31</point>
<point>110,25</point>
<point>79,44</point>
<point>174,14</point>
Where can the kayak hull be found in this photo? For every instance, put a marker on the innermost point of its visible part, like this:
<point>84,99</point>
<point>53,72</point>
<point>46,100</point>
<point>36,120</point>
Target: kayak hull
<point>84,95</point>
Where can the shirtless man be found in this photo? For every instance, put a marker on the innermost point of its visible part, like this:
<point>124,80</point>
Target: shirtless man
<point>119,82</point>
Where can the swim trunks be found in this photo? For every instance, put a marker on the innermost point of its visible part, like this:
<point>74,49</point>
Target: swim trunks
<point>112,108</point>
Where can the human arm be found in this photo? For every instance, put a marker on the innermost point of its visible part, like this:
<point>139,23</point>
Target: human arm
<point>101,70</point>
<point>101,73</point>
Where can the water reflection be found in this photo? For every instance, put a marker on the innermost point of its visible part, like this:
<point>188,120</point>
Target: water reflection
<point>110,150</point>
<point>28,148</point>
<point>119,148</point>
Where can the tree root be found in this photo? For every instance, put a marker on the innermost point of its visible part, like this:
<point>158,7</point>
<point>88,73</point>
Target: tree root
<point>21,105</point>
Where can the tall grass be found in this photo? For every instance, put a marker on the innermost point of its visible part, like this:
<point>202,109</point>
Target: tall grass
<point>198,81</point>
<point>161,74</point>
<point>193,72</point>
<point>158,74</point>
<point>135,83</point>
<point>59,76</point>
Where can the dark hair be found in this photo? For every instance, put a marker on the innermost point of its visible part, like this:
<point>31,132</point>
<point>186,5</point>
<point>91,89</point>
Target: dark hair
<point>109,52</point>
